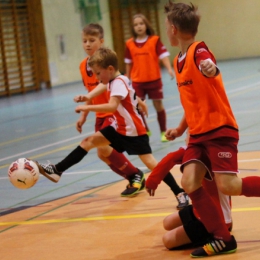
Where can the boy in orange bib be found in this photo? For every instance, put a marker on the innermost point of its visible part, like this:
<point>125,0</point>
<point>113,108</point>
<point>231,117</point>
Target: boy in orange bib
<point>212,126</point>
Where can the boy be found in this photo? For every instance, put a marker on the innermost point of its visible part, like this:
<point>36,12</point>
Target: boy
<point>184,227</point>
<point>126,133</point>
<point>212,126</point>
<point>92,40</point>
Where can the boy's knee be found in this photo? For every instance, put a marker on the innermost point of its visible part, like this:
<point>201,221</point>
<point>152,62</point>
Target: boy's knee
<point>166,225</point>
<point>87,143</point>
<point>166,241</point>
<point>224,188</point>
<point>230,185</point>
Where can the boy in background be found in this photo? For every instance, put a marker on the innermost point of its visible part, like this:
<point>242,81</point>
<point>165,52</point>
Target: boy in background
<point>142,49</point>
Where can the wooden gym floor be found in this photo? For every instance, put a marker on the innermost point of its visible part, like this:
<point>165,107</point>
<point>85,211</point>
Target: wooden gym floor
<point>83,217</point>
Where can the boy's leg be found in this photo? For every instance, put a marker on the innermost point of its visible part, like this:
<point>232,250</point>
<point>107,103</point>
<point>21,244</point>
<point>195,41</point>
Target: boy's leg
<point>119,163</point>
<point>185,228</point>
<point>53,172</point>
<point>181,196</point>
<point>161,118</point>
<point>115,160</point>
<point>231,184</point>
<point>210,215</point>
<point>175,238</point>
<point>172,221</point>
<point>122,164</point>
<point>133,146</point>
<point>148,160</point>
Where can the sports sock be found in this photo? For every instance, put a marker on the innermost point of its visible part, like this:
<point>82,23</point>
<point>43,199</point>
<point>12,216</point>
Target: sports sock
<point>210,214</point>
<point>116,170</point>
<point>171,182</point>
<point>161,118</point>
<point>73,158</point>
<point>122,164</point>
<point>251,186</point>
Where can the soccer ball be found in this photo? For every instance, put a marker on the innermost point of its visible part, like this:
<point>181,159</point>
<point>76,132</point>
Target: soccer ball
<point>23,173</point>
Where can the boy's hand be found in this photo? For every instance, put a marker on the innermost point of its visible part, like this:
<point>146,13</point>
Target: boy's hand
<point>171,134</point>
<point>150,191</point>
<point>80,98</point>
<point>171,73</point>
<point>79,124</point>
<point>143,107</point>
<point>81,108</point>
<point>208,68</point>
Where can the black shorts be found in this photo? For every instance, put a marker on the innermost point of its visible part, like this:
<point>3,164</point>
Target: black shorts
<point>194,228</point>
<point>133,145</point>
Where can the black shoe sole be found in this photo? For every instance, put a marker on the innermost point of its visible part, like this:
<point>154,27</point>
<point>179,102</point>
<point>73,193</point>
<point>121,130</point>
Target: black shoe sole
<point>137,191</point>
<point>41,170</point>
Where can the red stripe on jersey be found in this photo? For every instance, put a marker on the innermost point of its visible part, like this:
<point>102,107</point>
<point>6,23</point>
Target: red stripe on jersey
<point>129,122</point>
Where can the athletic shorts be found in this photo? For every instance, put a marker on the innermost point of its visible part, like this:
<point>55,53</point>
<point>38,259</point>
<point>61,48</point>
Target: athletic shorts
<point>133,145</point>
<point>218,155</point>
<point>194,228</point>
<point>153,89</point>
<point>102,122</point>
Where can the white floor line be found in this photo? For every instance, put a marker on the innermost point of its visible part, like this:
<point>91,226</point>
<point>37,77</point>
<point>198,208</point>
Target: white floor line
<point>83,135</point>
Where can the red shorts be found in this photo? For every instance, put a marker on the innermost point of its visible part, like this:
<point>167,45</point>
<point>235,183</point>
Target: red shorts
<point>217,155</point>
<point>102,122</point>
<point>153,89</point>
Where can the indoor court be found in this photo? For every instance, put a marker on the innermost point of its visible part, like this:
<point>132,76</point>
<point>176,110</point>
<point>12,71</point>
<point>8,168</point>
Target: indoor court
<point>83,216</point>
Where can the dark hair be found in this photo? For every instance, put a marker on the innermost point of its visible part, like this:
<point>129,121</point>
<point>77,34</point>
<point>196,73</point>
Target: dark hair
<point>149,29</point>
<point>185,17</point>
<point>94,29</point>
<point>104,57</point>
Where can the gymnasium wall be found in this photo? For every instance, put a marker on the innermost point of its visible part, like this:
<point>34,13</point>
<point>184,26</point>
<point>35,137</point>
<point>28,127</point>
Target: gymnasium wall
<point>63,26</point>
<point>229,27</point>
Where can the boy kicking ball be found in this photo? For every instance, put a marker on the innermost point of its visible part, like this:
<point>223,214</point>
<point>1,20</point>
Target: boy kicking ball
<point>126,133</point>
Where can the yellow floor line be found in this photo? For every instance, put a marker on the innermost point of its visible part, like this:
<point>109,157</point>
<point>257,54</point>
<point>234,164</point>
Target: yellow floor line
<point>69,220</point>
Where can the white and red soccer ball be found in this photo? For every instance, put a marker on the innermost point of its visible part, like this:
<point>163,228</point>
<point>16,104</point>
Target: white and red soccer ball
<point>23,173</point>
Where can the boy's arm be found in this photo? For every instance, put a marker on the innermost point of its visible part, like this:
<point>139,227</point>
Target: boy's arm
<point>167,65</point>
<point>83,117</point>
<point>142,106</point>
<point>173,133</point>
<point>100,88</point>
<point>81,121</point>
<point>162,169</point>
<point>111,106</point>
<point>128,67</point>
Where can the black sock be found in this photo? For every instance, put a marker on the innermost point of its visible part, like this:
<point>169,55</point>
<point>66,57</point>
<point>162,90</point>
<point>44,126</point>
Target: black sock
<point>170,181</point>
<point>74,157</point>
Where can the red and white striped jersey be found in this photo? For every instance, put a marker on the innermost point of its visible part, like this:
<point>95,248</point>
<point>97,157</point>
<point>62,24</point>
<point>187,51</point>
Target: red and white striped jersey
<point>128,120</point>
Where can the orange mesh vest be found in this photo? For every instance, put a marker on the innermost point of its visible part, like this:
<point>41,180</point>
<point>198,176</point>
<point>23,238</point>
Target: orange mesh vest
<point>204,99</point>
<point>90,83</point>
<point>145,61</point>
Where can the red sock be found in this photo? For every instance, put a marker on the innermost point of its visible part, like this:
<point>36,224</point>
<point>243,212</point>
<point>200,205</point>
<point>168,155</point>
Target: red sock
<point>116,170</point>
<point>161,117</point>
<point>122,164</point>
<point>210,214</point>
<point>251,186</point>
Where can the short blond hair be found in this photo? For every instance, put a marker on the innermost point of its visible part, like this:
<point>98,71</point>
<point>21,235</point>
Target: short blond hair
<point>103,58</point>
